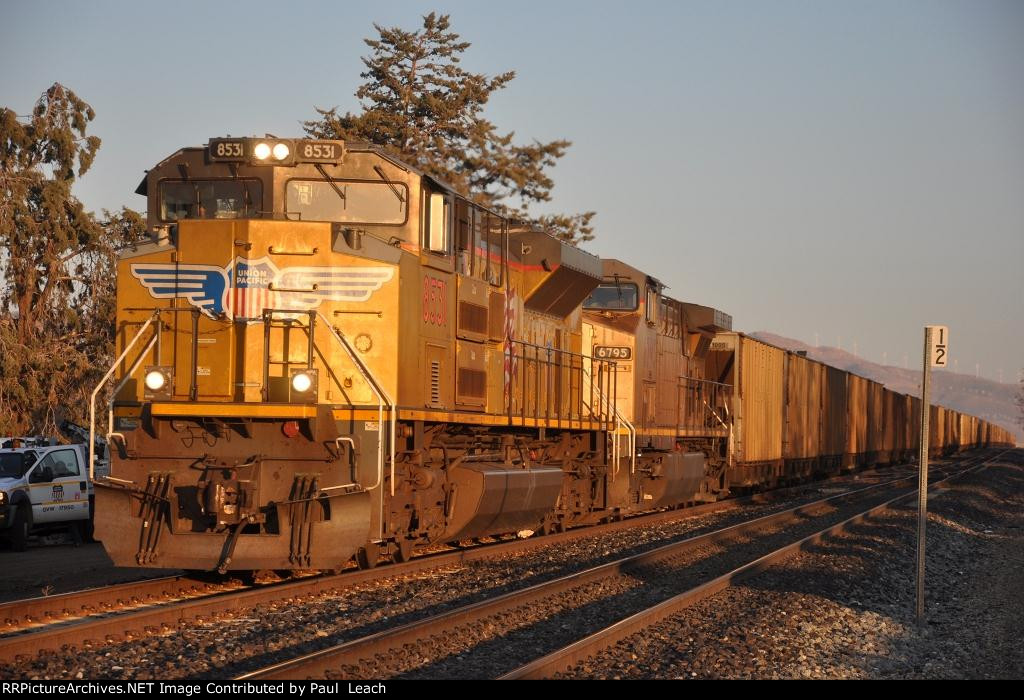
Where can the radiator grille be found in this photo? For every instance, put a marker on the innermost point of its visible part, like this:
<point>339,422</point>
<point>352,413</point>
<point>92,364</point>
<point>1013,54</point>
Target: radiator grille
<point>472,383</point>
<point>472,318</point>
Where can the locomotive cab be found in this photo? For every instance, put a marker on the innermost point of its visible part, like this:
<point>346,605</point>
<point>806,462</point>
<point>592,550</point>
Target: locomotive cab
<point>659,345</point>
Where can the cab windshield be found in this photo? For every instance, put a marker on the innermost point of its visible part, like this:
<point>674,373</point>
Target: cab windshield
<point>347,201</point>
<point>613,296</point>
<point>210,199</point>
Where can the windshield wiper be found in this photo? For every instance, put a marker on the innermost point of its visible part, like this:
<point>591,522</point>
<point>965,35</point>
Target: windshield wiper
<point>377,169</point>
<point>331,182</point>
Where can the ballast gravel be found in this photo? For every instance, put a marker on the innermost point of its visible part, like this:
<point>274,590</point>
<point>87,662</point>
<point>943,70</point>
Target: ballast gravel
<point>846,608</point>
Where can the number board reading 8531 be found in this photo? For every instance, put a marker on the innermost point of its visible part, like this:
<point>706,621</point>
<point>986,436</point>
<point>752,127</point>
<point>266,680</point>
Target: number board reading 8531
<point>613,352</point>
<point>319,151</point>
<point>239,150</point>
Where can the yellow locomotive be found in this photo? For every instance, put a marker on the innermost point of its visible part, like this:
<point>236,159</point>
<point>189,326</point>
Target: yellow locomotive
<point>324,353</point>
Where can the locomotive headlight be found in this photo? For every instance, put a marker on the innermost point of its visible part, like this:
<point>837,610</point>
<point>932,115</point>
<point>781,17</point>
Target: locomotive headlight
<point>303,385</point>
<point>155,380</point>
<point>281,151</point>
<point>262,151</point>
<point>158,382</point>
<point>301,382</point>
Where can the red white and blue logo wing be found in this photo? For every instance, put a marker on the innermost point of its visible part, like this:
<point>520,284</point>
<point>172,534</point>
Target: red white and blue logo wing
<point>204,286</point>
<point>304,288</point>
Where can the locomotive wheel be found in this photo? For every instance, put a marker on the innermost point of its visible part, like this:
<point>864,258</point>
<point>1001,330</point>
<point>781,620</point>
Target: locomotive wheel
<point>367,556</point>
<point>403,551</point>
<point>551,525</point>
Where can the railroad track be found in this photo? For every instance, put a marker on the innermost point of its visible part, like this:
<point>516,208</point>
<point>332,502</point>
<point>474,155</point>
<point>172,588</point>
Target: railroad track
<point>130,611</point>
<point>20,615</point>
<point>565,658</point>
<point>494,623</point>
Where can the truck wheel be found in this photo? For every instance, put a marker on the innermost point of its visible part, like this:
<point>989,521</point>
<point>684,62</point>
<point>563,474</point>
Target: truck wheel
<point>19,530</point>
<point>87,531</point>
<point>77,531</point>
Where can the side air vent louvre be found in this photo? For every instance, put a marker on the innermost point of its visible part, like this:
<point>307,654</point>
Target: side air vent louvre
<point>435,383</point>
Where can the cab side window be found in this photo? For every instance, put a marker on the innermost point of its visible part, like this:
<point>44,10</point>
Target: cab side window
<point>481,266</point>
<point>464,237</point>
<point>439,216</point>
<point>496,249</point>
<point>651,305</point>
<point>61,462</point>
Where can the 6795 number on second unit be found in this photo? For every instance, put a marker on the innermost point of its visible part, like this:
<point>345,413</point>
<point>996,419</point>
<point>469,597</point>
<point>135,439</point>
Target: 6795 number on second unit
<point>613,352</point>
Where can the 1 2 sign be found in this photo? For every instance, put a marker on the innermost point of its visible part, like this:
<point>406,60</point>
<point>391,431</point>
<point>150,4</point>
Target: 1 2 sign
<point>938,349</point>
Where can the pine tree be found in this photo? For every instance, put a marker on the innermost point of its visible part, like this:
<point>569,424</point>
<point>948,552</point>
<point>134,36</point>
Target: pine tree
<point>421,104</point>
<point>56,266</point>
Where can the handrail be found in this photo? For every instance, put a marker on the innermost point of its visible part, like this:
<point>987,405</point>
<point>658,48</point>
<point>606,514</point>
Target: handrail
<point>620,420</point>
<point>714,413</point>
<point>707,381</point>
<point>352,447</point>
<point>549,361</point>
<point>124,380</point>
<point>382,400</point>
<point>96,391</point>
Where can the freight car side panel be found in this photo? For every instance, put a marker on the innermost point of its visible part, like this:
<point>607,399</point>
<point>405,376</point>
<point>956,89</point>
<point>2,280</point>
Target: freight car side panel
<point>914,424</point>
<point>833,420</point>
<point>803,407</point>
<point>857,419</point>
<point>900,427</point>
<point>876,415</point>
<point>888,426</point>
<point>949,430</point>
<point>762,387</point>
<point>936,429</point>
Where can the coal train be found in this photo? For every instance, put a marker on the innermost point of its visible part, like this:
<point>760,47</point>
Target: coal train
<point>325,354</point>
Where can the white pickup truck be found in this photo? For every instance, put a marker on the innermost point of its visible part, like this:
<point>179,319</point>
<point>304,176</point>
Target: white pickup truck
<point>45,488</point>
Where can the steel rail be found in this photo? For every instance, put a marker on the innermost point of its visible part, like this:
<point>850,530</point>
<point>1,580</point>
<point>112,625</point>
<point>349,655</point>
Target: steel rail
<point>320,662</point>
<point>16,615</point>
<point>567,657</point>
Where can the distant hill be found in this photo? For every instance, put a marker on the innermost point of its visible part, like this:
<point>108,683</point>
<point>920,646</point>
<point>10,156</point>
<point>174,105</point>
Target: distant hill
<point>978,397</point>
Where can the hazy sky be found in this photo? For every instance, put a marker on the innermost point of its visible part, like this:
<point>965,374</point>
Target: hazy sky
<point>818,169</point>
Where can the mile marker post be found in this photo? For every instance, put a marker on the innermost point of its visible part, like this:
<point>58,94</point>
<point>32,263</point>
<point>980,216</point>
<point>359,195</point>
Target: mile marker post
<point>936,349</point>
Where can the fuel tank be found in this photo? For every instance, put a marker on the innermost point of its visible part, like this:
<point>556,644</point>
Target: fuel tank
<point>675,479</point>
<point>489,498</point>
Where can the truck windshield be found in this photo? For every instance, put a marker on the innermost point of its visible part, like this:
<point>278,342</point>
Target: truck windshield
<point>12,464</point>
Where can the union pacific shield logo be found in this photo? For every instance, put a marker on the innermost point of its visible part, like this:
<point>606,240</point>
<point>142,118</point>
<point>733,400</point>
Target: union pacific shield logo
<point>250,288</point>
<point>244,288</point>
